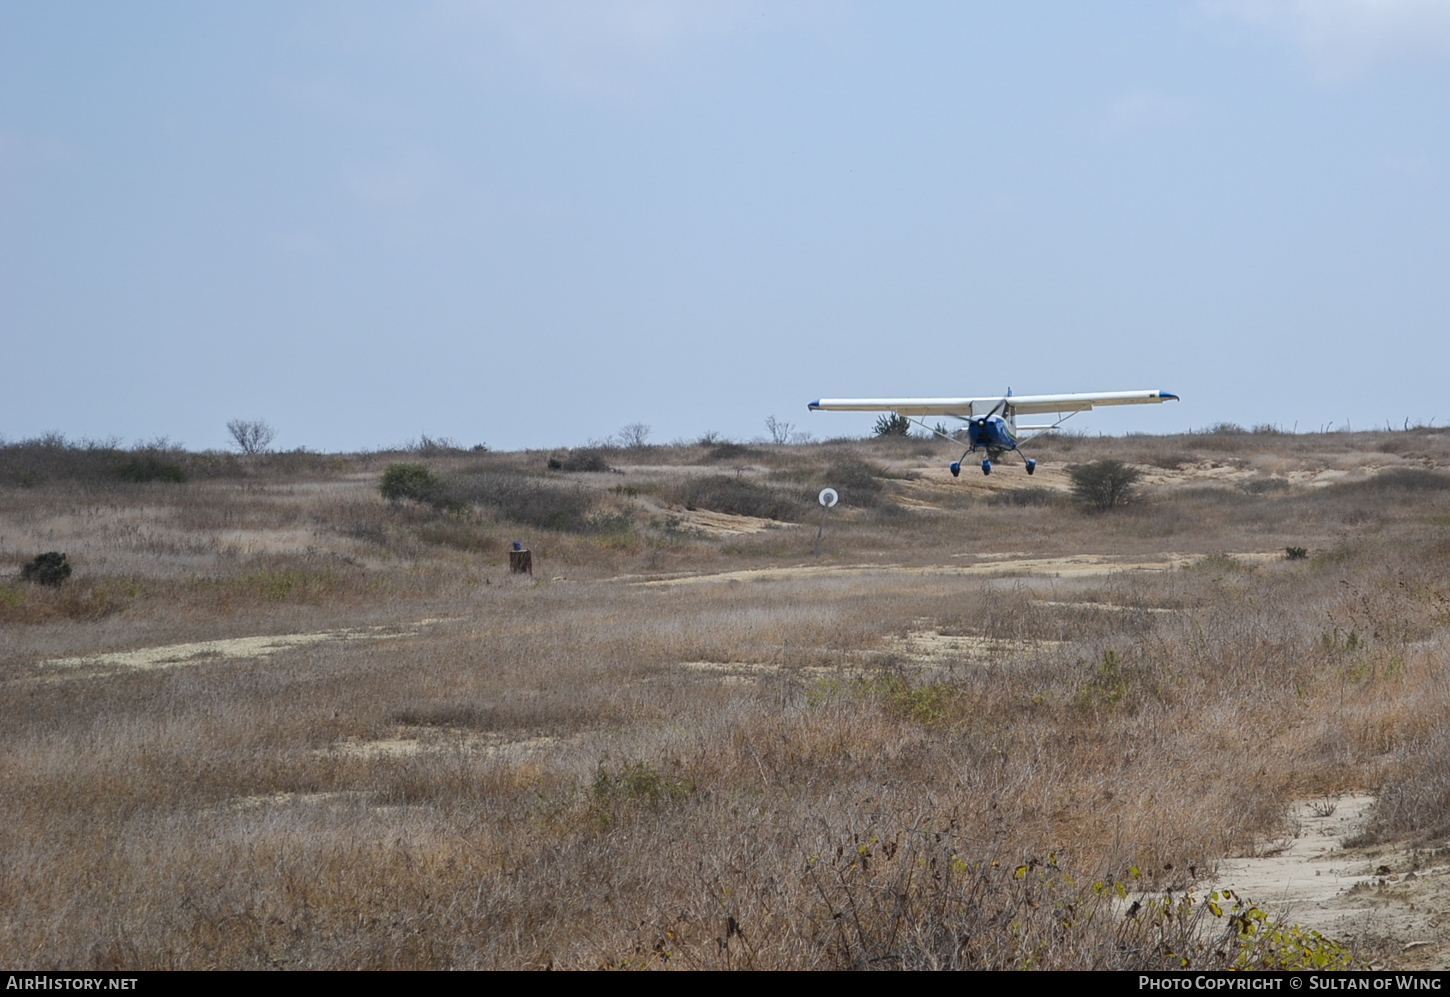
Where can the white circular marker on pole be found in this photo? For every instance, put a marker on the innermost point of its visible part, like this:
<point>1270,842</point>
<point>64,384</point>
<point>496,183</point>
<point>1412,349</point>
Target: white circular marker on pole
<point>828,498</point>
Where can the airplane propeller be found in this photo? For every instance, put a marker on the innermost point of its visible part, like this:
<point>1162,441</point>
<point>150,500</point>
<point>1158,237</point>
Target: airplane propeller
<point>982,420</point>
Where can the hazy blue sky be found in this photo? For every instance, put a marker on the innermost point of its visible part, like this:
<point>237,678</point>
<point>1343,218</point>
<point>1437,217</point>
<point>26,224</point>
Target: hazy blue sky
<point>531,223</point>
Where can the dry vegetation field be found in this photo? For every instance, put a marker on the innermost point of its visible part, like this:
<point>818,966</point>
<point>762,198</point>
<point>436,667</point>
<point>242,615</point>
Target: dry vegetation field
<point>275,720</point>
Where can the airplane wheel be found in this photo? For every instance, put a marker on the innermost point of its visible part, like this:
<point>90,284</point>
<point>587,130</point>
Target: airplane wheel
<point>956,468</point>
<point>986,467</point>
<point>1031,466</point>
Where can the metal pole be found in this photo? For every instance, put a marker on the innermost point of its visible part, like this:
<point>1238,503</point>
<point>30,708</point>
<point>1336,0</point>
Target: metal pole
<point>827,498</point>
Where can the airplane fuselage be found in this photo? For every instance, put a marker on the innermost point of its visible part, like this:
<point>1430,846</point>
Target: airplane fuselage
<point>995,434</point>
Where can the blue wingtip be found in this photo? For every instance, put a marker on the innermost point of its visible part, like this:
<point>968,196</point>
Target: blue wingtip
<point>814,405</point>
<point>1168,397</point>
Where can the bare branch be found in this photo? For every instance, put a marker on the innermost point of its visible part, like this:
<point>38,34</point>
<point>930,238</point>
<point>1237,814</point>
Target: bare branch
<point>779,431</point>
<point>636,434</point>
<point>251,436</point>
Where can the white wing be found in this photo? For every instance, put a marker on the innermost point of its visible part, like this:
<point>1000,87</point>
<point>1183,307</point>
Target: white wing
<point>1017,404</point>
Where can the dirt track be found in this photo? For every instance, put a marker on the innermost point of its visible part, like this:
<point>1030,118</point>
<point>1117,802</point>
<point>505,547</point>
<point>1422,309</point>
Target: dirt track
<point>1390,901</point>
<point>1074,566</point>
<point>197,652</point>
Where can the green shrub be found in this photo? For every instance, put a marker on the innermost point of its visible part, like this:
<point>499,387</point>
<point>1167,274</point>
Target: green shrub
<point>893,424</point>
<point>610,523</point>
<point>410,481</point>
<point>1112,684</point>
<point>527,501</point>
<point>638,786</point>
<point>150,466</point>
<point>46,569</point>
<point>857,482</point>
<point>741,497</point>
<point>725,450</point>
<point>584,460</point>
<point>927,703</point>
<point>1104,484</point>
<point>52,456</point>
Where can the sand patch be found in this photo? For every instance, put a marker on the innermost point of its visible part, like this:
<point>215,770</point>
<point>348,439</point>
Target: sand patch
<point>1312,471</point>
<point>752,672</point>
<point>408,744</point>
<point>266,805</point>
<point>1108,607</point>
<point>722,524</point>
<point>1203,472</point>
<point>1389,901</point>
<point>930,648</point>
<point>1257,557</point>
<point>286,798</point>
<point>919,647</point>
<point>172,655</point>
<point>1097,564</point>
<point>1073,566</point>
<point>757,574</point>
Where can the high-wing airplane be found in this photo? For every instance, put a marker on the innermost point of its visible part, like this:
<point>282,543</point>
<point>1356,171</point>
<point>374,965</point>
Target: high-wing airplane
<point>992,422</point>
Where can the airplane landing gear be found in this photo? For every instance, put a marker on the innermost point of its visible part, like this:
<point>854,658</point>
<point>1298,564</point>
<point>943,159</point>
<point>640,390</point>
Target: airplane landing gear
<point>986,467</point>
<point>1031,466</point>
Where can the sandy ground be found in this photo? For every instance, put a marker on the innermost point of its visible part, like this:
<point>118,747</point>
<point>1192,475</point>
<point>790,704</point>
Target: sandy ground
<point>1074,566</point>
<point>1390,901</point>
<point>724,524</point>
<point>1106,606</point>
<point>414,742</point>
<point>926,648</point>
<point>172,655</point>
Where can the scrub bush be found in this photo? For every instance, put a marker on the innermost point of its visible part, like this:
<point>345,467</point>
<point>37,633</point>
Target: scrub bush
<point>1104,484</point>
<point>46,569</point>
<point>410,481</point>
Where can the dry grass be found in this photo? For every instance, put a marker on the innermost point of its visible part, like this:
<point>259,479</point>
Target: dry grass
<point>584,770</point>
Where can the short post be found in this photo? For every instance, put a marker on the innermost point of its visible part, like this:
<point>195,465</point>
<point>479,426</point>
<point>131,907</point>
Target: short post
<point>521,560</point>
<point>828,498</point>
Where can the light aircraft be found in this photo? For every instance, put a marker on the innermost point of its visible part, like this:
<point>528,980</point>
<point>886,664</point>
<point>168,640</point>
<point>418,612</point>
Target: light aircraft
<point>992,422</point>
